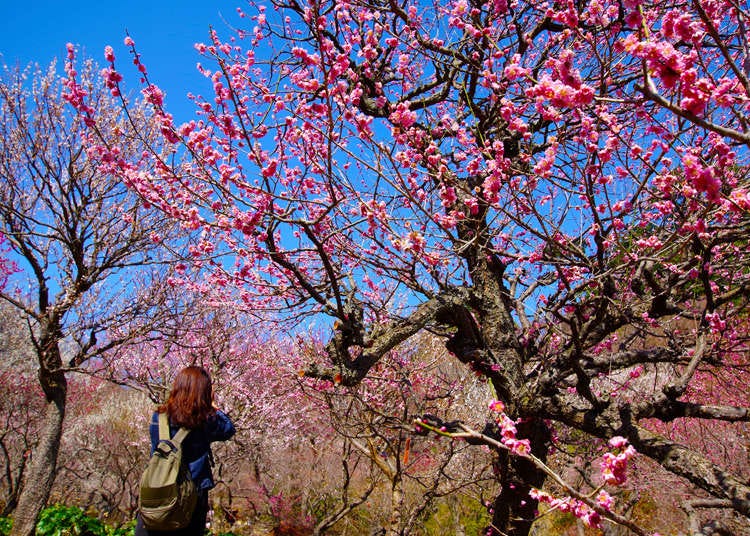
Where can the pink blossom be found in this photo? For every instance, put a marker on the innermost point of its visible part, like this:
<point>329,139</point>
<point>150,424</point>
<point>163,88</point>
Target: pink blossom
<point>652,242</point>
<point>636,373</point>
<point>568,504</point>
<point>521,447</point>
<point>460,7</point>
<point>270,169</point>
<point>716,323</point>
<point>604,500</point>
<point>448,196</point>
<point>567,16</point>
<point>497,406</point>
<point>561,94</point>
<point>111,80</point>
<point>740,200</point>
<point>614,464</point>
<point>680,26</point>
<point>154,95</point>
<point>414,242</point>
<point>701,177</point>
<point>473,205</point>
<point>402,116</point>
<point>514,70</point>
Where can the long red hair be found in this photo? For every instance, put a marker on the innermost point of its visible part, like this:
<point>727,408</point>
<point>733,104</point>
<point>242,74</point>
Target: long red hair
<point>190,402</point>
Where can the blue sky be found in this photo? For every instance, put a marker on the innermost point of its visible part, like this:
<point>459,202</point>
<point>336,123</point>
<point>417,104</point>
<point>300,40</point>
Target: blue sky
<point>164,31</point>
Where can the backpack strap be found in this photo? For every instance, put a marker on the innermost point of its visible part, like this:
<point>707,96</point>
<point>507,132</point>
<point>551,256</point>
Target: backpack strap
<point>164,430</point>
<point>180,435</point>
<point>163,426</point>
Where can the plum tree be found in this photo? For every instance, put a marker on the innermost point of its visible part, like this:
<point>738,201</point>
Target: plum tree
<point>69,226</point>
<point>558,189</point>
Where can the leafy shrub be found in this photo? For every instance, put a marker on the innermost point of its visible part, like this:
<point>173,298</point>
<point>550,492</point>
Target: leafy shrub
<point>128,529</point>
<point>60,520</point>
<point>5,525</point>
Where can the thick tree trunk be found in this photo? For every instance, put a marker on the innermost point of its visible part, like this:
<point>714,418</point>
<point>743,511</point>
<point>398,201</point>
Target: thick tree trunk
<point>513,509</point>
<point>41,475</point>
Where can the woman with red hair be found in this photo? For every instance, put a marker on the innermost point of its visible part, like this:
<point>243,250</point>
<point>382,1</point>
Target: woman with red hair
<point>191,405</point>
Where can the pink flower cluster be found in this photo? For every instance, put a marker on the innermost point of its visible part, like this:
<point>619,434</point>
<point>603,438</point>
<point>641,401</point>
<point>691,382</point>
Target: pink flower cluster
<point>567,16</point>
<point>513,70</point>
<point>578,508</point>
<point>701,177</point>
<point>402,116</point>
<point>111,80</point>
<point>508,431</point>
<point>614,464</point>
<point>671,66</point>
<point>7,266</point>
<point>74,93</point>
<point>652,242</point>
<point>561,94</point>
<point>598,13</point>
<point>662,58</point>
<point>680,26</point>
<point>413,242</point>
<point>717,324</point>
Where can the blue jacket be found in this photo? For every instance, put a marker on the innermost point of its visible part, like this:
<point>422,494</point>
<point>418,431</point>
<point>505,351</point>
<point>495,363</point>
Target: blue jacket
<point>196,448</point>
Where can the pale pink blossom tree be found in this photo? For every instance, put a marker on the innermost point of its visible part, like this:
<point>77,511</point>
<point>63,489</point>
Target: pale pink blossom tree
<point>558,189</point>
<point>86,250</point>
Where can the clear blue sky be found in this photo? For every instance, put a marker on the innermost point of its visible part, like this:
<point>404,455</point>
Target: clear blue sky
<point>164,31</point>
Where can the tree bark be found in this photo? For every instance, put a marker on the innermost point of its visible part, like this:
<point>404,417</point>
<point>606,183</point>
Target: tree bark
<point>676,458</point>
<point>514,510</point>
<point>43,467</point>
<point>42,471</point>
<point>692,466</point>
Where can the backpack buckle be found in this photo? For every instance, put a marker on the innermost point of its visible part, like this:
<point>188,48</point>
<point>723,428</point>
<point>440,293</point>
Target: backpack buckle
<point>164,448</point>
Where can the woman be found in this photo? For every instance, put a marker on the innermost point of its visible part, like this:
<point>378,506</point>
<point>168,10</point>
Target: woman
<point>190,405</point>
